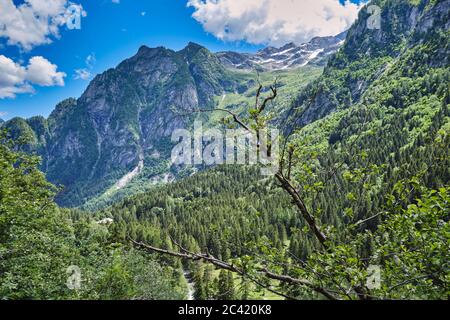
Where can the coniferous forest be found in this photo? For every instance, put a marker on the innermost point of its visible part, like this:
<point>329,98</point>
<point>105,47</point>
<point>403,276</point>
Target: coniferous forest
<point>91,207</point>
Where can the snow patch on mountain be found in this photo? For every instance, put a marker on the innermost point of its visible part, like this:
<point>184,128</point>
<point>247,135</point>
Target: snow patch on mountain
<point>287,57</point>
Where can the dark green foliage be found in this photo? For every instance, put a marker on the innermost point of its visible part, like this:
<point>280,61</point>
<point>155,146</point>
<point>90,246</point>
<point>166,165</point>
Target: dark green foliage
<point>368,55</point>
<point>371,141</point>
<point>39,242</point>
<point>225,286</point>
<point>191,209</point>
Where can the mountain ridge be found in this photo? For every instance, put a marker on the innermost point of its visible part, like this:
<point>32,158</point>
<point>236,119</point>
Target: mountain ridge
<point>123,121</point>
<point>125,115</point>
<point>368,54</point>
<point>289,56</point>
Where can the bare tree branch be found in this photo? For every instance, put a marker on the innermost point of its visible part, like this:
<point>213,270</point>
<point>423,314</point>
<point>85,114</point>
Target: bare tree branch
<point>290,154</point>
<point>258,93</point>
<point>186,254</point>
<point>298,201</point>
<point>269,98</point>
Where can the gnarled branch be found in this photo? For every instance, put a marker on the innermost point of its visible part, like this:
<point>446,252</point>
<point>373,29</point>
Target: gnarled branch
<point>186,254</point>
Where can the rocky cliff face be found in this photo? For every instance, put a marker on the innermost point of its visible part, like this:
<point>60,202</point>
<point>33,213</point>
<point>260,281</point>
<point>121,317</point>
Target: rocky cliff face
<point>124,118</point>
<point>368,55</point>
<point>289,56</point>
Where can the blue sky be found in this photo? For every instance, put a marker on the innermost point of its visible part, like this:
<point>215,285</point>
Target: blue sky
<point>113,30</point>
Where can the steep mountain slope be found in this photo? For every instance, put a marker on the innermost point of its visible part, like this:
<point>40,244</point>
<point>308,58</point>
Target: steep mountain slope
<point>124,118</point>
<point>120,128</point>
<point>118,132</point>
<point>287,57</point>
<point>369,55</point>
<point>157,169</point>
<point>380,110</point>
<point>381,133</point>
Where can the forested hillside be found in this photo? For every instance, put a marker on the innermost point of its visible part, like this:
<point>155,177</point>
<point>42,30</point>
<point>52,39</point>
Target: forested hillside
<point>414,33</point>
<point>357,168</point>
<point>363,182</point>
<point>43,247</point>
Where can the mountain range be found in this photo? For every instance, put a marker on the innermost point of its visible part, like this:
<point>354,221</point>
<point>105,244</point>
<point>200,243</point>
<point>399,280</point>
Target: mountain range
<point>119,130</point>
<point>121,125</point>
<point>358,209</point>
<point>286,57</point>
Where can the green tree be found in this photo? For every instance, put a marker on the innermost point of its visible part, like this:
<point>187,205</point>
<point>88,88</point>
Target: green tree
<point>35,238</point>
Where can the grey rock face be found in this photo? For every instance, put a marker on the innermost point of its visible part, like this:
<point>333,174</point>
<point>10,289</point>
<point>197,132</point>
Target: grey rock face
<point>404,26</point>
<point>126,115</point>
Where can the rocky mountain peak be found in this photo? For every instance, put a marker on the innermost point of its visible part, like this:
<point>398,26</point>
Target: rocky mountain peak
<point>192,50</point>
<point>125,116</point>
<point>193,46</point>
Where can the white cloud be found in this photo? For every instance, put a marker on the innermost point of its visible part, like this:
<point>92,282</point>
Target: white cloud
<point>34,22</point>
<point>42,72</point>
<point>16,79</point>
<point>47,7</point>
<point>82,74</point>
<point>10,72</point>
<point>12,78</point>
<point>86,73</point>
<point>116,1</point>
<point>90,60</point>
<point>3,113</point>
<point>274,22</point>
